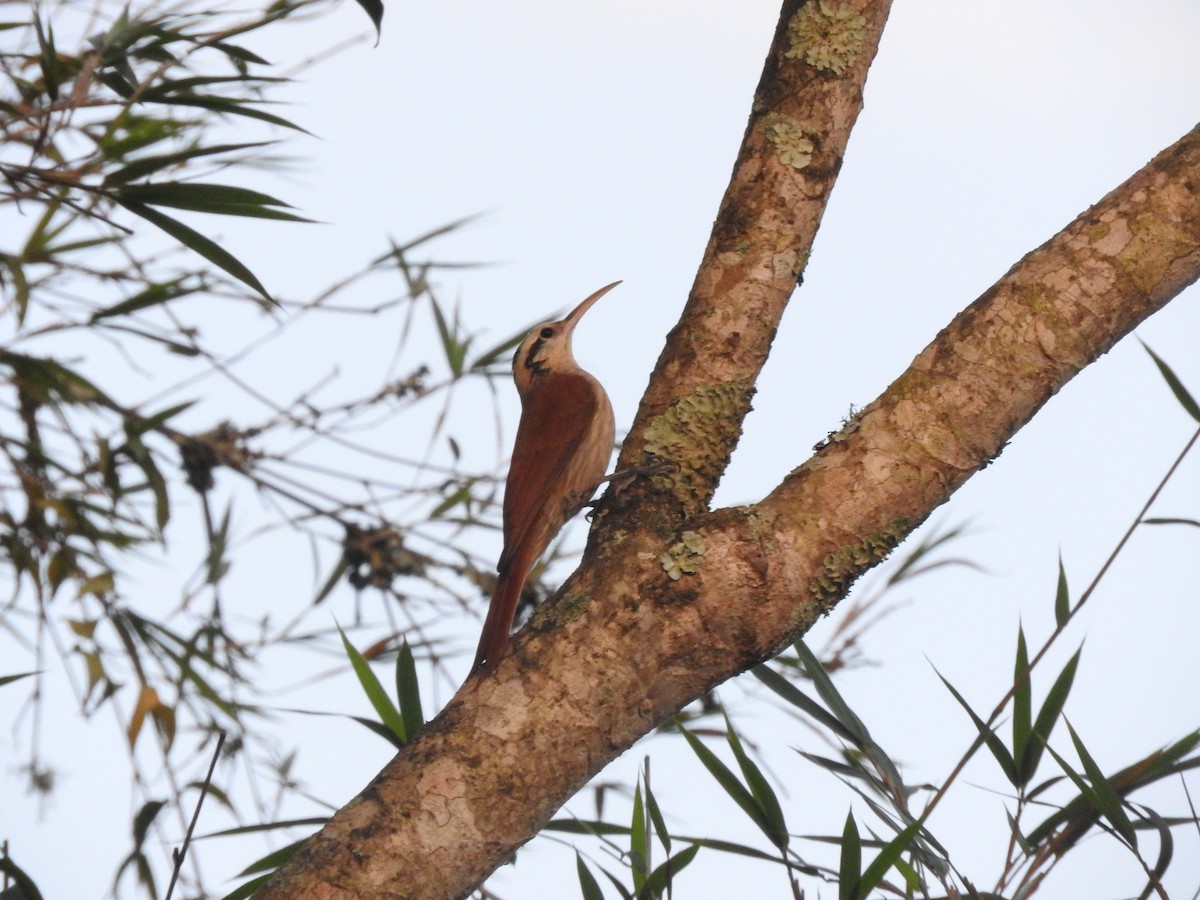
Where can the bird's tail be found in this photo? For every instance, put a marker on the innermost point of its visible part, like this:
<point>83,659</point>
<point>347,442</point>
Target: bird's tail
<point>498,623</point>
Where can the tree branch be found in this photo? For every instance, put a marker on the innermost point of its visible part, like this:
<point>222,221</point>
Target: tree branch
<point>671,599</point>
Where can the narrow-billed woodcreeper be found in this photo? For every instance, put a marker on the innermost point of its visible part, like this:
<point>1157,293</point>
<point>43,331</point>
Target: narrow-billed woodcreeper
<point>564,441</point>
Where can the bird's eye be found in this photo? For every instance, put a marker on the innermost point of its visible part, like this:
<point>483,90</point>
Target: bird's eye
<point>547,333</point>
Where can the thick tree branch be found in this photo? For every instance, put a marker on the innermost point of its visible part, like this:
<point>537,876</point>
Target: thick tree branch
<point>625,646</point>
<point>804,108</point>
<point>666,606</point>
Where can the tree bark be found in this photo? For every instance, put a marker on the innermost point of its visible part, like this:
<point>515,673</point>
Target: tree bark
<point>672,599</point>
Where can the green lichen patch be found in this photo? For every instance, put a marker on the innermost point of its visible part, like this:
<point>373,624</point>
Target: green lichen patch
<point>840,569</point>
<point>1155,245</point>
<point>792,148</point>
<point>699,432</point>
<point>683,558</point>
<point>827,35</point>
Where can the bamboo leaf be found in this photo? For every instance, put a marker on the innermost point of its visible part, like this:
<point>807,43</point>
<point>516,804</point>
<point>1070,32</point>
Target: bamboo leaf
<point>388,714</point>
<point>764,795</point>
<point>660,879</point>
<point>193,240</point>
<point>9,679</point>
<point>216,199</point>
<point>1047,718</point>
<point>1106,798</point>
<point>850,864</point>
<point>588,886</point>
<point>1195,523</point>
<point>1062,597</point>
<point>986,734</point>
<point>639,842</point>
<point>23,885</point>
<point>249,889</point>
<point>828,693</point>
<point>1186,400</point>
<point>148,165</point>
<point>274,859</point>
<point>228,106</point>
<point>888,857</point>
<point>374,10</point>
<point>727,780</point>
<point>656,818</point>
<point>1022,723</point>
<point>801,701</point>
<point>408,690</point>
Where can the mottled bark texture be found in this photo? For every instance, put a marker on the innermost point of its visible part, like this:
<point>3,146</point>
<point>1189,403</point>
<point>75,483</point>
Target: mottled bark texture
<point>672,599</point>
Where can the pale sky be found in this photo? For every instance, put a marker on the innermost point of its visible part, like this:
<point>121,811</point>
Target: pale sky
<point>597,141</point>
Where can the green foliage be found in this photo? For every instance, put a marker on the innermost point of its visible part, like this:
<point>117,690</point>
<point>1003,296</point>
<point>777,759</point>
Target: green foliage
<point>114,120</point>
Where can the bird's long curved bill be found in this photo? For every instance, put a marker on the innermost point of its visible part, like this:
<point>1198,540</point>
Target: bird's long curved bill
<point>583,307</point>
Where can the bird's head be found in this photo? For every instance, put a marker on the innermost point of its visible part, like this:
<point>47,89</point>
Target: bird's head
<point>547,348</point>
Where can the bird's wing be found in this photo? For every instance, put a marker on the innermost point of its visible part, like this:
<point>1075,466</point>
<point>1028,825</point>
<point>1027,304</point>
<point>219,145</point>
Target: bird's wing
<point>556,418</point>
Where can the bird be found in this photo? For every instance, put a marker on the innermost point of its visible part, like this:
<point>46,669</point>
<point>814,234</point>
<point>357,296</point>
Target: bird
<point>563,444</point>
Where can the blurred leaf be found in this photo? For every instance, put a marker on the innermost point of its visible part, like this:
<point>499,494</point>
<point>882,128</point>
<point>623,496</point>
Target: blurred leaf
<point>274,859</point>
<point>144,819</point>
<point>501,351</point>
<point>454,350</point>
<point>1074,819</point>
<point>830,695</point>
<point>1166,851</point>
<point>51,69</point>
<point>764,795</point>
<point>729,782</point>
<point>639,842</point>
<point>462,496</point>
<point>20,285</point>
<point>888,857</point>
<point>660,880</point>
<point>9,679</point>
<point>850,865</point>
<point>388,714</point>
<point>1062,597</point>
<point>986,735</point>
<point>144,460</point>
<point>1106,798</point>
<point>154,295</point>
<point>1186,400</point>
<point>1159,521</point>
<point>21,881</point>
<point>233,51</point>
<point>374,9</point>
<point>913,564</point>
<point>193,240</point>
<point>331,582</point>
<point>226,105</point>
<point>588,886</point>
<point>1014,829</point>
<point>408,690</point>
<point>249,889</point>
<point>148,165</point>
<point>147,702</point>
<point>801,701</point>
<point>1047,718</point>
<point>590,827</point>
<point>97,585</point>
<point>616,883</point>
<point>218,199</point>
<point>1022,723</point>
<point>280,825</point>
<point>656,817</point>
<point>859,735</point>
<point>52,380</point>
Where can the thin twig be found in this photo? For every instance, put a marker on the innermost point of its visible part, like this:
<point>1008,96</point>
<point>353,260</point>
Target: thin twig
<point>181,853</point>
